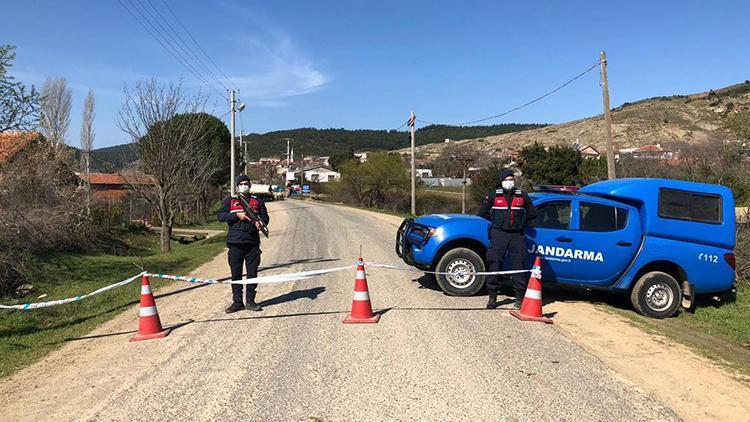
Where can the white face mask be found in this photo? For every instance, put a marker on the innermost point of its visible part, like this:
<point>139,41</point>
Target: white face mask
<point>508,184</point>
<point>243,188</point>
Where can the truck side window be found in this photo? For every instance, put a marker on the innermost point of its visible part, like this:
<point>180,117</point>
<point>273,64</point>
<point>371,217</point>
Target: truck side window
<point>602,218</point>
<point>553,215</point>
<point>691,206</point>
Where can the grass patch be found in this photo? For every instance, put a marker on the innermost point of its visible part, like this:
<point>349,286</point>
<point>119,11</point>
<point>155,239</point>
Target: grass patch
<point>26,336</point>
<point>209,225</point>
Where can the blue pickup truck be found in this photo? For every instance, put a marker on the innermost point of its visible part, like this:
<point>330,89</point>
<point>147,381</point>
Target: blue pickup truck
<point>660,241</point>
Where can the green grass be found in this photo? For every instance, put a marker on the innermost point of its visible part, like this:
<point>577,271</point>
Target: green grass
<point>209,225</point>
<point>454,189</point>
<point>26,336</point>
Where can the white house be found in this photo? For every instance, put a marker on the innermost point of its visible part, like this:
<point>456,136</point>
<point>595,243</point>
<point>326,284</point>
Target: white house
<point>319,174</point>
<point>362,156</point>
<point>422,173</point>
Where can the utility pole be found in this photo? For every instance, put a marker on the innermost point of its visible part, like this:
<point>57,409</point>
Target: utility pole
<point>231,148</point>
<point>244,153</point>
<point>412,120</point>
<point>463,190</point>
<point>607,118</point>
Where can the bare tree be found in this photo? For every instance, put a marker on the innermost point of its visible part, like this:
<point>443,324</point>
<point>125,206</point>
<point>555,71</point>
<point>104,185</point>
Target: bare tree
<point>167,132</point>
<point>87,142</point>
<point>18,107</point>
<point>54,116</point>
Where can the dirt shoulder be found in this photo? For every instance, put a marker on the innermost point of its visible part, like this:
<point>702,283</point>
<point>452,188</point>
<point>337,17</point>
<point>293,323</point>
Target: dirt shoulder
<point>696,388</point>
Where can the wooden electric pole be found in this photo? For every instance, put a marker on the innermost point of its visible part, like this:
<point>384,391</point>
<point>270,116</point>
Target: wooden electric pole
<point>607,118</point>
<point>412,121</point>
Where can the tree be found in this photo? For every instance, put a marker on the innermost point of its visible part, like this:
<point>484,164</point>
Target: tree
<point>454,160</point>
<point>217,137</point>
<point>168,133</point>
<point>18,107</point>
<point>87,142</point>
<point>556,165</point>
<point>54,117</point>
<point>485,181</point>
<point>340,158</point>
<point>372,182</point>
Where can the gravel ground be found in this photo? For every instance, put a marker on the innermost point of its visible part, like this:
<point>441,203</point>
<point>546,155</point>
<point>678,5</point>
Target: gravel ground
<point>431,357</point>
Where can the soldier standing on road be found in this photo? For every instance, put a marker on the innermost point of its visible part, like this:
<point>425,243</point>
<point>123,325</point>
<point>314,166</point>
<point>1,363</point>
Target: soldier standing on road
<point>243,241</point>
<point>509,211</point>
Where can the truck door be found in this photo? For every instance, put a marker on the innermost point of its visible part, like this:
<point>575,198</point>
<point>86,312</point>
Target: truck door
<point>606,240</point>
<point>553,231</point>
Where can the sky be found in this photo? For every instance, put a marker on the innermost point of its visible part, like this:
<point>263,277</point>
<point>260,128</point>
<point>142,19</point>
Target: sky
<point>366,64</point>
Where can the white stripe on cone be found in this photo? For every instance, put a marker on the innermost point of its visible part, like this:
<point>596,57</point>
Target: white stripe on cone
<point>145,290</point>
<point>147,311</point>
<point>533,294</point>
<point>360,275</point>
<point>361,296</point>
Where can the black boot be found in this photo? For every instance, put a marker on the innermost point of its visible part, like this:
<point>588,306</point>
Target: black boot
<point>519,300</point>
<point>252,306</point>
<point>492,302</point>
<point>234,307</point>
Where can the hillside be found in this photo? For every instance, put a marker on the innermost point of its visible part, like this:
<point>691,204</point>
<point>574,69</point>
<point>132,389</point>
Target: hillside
<point>671,121</point>
<point>323,142</point>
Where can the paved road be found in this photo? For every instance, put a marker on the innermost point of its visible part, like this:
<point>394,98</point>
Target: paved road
<point>432,357</point>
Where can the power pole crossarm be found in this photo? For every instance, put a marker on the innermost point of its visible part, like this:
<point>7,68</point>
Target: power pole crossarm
<point>607,118</point>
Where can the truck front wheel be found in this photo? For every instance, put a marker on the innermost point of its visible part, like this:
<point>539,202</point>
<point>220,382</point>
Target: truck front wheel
<point>460,264</point>
<point>656,295</point>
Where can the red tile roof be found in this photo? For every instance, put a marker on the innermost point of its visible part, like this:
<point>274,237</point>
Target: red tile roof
<point>651,148</point>
<point>11,143</point>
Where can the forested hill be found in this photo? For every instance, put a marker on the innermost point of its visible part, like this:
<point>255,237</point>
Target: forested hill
<point>310,141</point>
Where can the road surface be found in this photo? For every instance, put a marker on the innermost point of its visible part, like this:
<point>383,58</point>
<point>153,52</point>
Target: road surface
<point>431,357</point>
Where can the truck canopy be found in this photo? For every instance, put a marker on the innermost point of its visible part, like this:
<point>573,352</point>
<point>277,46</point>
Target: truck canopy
<point>674,209</point>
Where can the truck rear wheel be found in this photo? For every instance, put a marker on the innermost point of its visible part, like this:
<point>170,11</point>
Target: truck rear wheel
<point>656,295</point>
<point>459,263</point>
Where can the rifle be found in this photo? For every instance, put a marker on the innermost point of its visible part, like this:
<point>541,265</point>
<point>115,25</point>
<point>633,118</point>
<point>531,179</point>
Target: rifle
<point>253,216</point>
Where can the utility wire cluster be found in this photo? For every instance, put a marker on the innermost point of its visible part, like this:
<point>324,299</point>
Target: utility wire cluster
<point>159,27</point>
<point>526,104</point>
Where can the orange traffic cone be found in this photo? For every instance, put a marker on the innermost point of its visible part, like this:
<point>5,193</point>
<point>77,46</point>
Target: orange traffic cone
<point>531,309</point>
<point>149,324</point>
<point>361,308</point>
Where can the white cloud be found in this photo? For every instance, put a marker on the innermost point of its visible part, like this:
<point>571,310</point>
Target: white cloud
<point>270,68</point>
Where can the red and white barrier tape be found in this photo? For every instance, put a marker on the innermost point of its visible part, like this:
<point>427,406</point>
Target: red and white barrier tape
<point>276,278</point>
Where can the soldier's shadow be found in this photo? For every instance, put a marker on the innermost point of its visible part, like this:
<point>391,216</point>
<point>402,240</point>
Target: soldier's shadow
<point>311,294</point>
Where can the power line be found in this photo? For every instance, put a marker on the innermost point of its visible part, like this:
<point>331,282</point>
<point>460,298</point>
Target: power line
<point>399,128</point>
<point>547,94</point>
<point>172,41</point>
<point>184,46</point>
<point>177,57</point>
<point>187,31</point>
<point>162,41</point>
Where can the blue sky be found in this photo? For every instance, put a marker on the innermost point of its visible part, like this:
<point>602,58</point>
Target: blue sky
<point>366,64</point>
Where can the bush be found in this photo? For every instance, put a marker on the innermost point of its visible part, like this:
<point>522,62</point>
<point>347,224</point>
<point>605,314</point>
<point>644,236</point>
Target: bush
<point>557,165</point>
<point>42,210</point>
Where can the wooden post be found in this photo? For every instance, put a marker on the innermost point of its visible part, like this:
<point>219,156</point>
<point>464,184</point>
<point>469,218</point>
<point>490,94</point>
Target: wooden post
<point>607,118</point>
<point>463,190</point>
